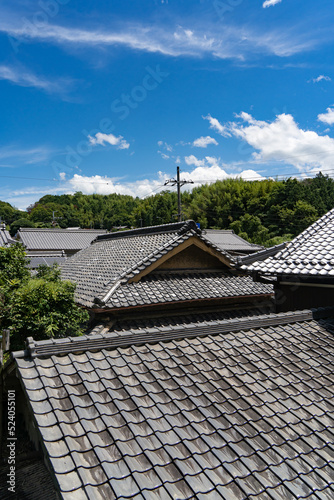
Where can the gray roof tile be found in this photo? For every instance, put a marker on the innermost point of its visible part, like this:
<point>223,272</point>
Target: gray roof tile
<point>309,254</point>
<point>5,238</point>
<point>102,271</point>
<point>57,239</point>
<point>228,240</point>
<point>234,409</point>
<point>174,287</point>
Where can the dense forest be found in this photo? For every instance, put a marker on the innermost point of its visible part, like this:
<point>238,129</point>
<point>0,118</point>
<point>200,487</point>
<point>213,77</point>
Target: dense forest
<point>264,212</point>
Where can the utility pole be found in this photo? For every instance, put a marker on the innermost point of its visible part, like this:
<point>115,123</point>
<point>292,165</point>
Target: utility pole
<point>178,184</point>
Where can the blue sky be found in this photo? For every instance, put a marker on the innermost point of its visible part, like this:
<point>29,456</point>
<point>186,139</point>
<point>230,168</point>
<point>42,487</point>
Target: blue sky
<point>105,97</point>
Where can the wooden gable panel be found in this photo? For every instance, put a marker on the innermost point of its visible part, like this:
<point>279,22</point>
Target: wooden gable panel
<point>192,257</point>
<point>196,255</point>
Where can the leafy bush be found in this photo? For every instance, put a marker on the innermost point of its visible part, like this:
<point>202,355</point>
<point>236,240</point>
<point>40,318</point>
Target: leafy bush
<point>41,307</point>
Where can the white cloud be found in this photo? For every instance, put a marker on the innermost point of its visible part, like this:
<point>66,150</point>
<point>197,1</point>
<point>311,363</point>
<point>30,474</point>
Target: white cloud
<point>24,78</point>
<point>192,160</point>
<point>203,142</point>
<point>209,171</point>
<point>103,139</point>
<point>231,42</point>
<point>217,126</point>
<point>105,185</point>
<point>270,3</point>
<point>320,78</point>
<point>283,140</point>
<point>327,117</point>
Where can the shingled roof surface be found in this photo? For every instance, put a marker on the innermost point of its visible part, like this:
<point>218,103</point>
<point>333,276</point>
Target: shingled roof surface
<point>309,254</point>
<point>153,324</point>
<point>45,258</point>
<point>175,287</point>
<point>5,238</point>
<point>57,239</point>
<point>101,270</point>
<point>228,240</point>
<point>242,410</point>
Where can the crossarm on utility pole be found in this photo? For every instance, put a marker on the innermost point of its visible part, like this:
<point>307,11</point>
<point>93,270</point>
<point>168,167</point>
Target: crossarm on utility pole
<point>178,183</point>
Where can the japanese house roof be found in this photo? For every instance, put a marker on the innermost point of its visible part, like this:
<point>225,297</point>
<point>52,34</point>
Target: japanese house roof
<point>120,269</point>
<point>242,409</point>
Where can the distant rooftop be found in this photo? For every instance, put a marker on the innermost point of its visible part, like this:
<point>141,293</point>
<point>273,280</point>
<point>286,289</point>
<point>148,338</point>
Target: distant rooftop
<point>228,240</point>
<point>71,239</point>
<point>5,237</point>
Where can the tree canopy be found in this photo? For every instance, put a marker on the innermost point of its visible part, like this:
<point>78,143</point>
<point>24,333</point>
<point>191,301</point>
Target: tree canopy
<point>261,211</point>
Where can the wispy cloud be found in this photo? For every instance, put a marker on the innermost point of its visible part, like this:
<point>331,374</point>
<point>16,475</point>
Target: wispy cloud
<point>103,139</point>
<point>217,126</point>
<point>283,140</point>
<point>28,156</point>
<point>203,142</point>
<point>270,3</point>
<point>321,78</point>
<point>327,117</point>
<point>25,78</point>
<point>233,42</point>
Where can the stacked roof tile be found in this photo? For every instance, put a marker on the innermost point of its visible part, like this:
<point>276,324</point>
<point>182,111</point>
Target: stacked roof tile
<point>239,410</point>
<point>310,254</point>
<point>159,288</point>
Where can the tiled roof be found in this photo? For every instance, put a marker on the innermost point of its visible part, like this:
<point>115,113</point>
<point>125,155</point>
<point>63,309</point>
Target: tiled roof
<point>115,258</point>
<point>310,254</point>
<point>228,240</point>
<point>45,258</point>
<point>175,287</point>
<point>57,239</point>
<point>263,254</point>
<point>199,413</point>
<point>154,324</point>
<point>5,238</point>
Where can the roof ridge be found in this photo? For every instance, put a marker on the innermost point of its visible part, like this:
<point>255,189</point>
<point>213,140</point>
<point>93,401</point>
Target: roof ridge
<point>130,270</point>
<point>266,252</point>
<point>97,342</point>
<point>147,260</point>
<point>176,227</point>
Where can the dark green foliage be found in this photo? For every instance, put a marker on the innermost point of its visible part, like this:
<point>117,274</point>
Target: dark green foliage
<point>13,265</point>
<point>41,307</point>
<point>10,214</point>
<point>44,309</point>
<point>15,226</point>
<point>49,273</point>
<point>261,211</point>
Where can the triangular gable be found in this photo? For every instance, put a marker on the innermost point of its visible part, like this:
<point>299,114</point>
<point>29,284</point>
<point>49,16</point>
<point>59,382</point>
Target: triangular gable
<point>193,253</point>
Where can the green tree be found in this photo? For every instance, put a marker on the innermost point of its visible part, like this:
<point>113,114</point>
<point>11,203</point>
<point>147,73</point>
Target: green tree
<point>15,226</point>
<point>42,306</point>
<point>44,309</point>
